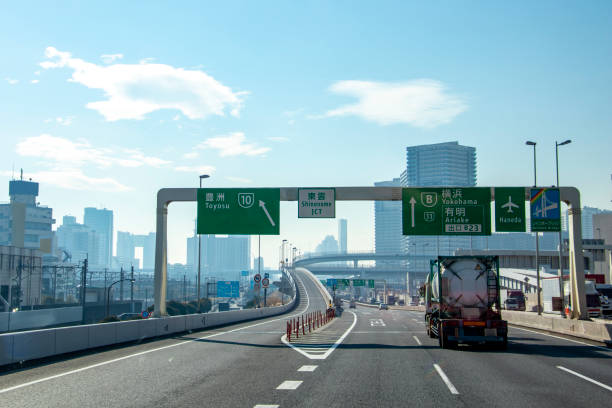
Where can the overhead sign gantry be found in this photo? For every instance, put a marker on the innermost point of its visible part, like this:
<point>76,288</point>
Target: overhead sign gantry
<point>427,211</point>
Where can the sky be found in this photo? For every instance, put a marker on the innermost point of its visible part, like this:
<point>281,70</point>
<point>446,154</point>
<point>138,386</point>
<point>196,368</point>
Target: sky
<point>106,103</point>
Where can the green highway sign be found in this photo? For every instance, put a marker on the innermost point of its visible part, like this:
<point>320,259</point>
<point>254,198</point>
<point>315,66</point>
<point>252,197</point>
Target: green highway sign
<point>358,282</point>
<point>510,209</point>
<point>239,211</point>
<point>344,282</point>
<point>446,211</point>
<point>371,283</point>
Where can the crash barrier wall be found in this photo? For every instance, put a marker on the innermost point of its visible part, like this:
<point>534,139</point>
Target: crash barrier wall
<point>308,323</point>
<point>27,319</point>
<point>580,328</point>
<point>33,344</point>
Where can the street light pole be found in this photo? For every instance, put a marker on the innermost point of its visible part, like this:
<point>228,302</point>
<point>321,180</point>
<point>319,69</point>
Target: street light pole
<point>108,293</point>
<point>560,273</point>
<point>537,236</point>
<point>202,176</point>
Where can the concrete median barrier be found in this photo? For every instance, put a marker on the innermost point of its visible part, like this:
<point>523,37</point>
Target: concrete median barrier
<point>597,331</point>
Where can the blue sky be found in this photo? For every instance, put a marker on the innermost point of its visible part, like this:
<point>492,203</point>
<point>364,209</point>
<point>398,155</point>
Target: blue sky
<point>106,103</point>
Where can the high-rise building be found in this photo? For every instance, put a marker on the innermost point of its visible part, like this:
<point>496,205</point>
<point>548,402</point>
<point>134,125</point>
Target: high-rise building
<point>101,222</point>
<point>586,218</point>
<point>441,164</point>
<point>328,245</point>
<point>342,230</point>
<point>387,224</point>
<point>126,247</point>
<point>75,240</point>
<point>24,222</point>
<point>222,256</point>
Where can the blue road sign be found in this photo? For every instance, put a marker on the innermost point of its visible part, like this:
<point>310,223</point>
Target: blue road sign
<point>244,273</point>
<point>332,282</point>
<point>545,211</point>
<point>228,289</point>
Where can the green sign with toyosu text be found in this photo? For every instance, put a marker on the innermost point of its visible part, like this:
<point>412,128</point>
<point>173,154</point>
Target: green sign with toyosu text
<point>446,211</point>
<point>239,211</point>
<point>510,209</point>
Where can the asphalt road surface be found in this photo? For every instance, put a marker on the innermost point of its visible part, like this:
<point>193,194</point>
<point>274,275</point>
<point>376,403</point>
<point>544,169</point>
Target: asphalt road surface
<point>365,358</point>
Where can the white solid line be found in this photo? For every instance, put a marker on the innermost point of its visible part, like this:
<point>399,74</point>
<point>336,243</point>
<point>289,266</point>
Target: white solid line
<point>78,370</point>
<point>308,368</point>
<point>330,350</point>
<point>449,384</point>
<point>561,338</point>
<point>265,406</point>
<point>584,377</point>
<point>417,340</point>
<point>289,385</point>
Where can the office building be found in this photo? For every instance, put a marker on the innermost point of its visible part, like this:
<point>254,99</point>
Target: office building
<point>24,223</point>
<point>329,245</point>
<point>101,222</point>
<point>342,231</point>
<point>126,250</point>
<point>75,241</point>
<point>222,256</point>
<point>388,226</point>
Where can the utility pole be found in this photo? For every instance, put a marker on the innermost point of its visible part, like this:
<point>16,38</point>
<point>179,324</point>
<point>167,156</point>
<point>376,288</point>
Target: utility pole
<point>132,290</point>
<point>121,276</point>
<point>184,289</point>
<point>83,289</point>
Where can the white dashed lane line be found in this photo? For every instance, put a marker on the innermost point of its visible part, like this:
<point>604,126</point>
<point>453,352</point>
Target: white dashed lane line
<point>308,368</point>
<point>289,385</point>
<point>265,406</point>
<point>584,377</point>
<point>449,384</point>
<point>417,340</point>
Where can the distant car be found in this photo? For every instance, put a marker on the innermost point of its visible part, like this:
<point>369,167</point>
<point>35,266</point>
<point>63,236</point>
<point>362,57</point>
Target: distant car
<point>414,303</point>
<point>352,304</point>
<point>383,306</point>
<point>128,316</point>
<point>401,302</point>
<point>373,301</point>
<point>512,304</point>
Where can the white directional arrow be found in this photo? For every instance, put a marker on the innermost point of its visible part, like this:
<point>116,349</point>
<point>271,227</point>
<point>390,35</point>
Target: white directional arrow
<point>263,207</point>
<point>412,203</point>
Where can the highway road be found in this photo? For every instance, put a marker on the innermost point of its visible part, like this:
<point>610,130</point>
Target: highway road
<point>365,358</point>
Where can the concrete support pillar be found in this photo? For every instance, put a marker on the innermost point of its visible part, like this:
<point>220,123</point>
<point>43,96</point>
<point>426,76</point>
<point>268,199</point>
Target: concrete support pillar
<point>576,261</point>
<point>161,264</point>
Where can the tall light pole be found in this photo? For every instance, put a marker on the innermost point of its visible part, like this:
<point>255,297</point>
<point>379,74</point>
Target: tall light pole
<point>537,237</point>
<point>202,176</point>
<point>560,273</point>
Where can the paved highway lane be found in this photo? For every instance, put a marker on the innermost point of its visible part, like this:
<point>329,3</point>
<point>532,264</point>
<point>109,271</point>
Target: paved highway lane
<point>229,366</point>
<point>388,360</point>
<point>365,358</point>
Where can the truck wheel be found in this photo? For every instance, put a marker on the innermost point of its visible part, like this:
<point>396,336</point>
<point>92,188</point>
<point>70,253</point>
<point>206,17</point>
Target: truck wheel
<point>442,340</point>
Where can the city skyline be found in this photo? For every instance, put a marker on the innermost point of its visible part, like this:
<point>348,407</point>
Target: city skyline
<point>99,130</point>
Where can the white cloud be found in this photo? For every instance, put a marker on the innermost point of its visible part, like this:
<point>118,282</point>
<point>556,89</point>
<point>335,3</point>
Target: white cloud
<point>11,81</point>
<point>239,179</point>
<point>75,179</point>
<point>67,121</point>
<point>195,169</point>
<point>232,145</point>
<point>61,151</point>
<point>421,103</point>
<point>191,155</point>
<point>36,72</point>
<point>110,58</point>
<point>34,81</point>
<point>134,90</point>
<point>279,139</point>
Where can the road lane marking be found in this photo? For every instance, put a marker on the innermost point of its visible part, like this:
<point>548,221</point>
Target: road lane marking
<point>289,385</point>
<point>114,360</point>
<point>309,368</point>
<point>377,322</point>
<point>329,350</point>
<point>561,338</point>
<point>265,406</point>
<point>417,340</point>
<point>584,377</point>
<point>449,384</point>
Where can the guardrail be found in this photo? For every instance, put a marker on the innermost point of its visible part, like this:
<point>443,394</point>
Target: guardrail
<point>34,344</point>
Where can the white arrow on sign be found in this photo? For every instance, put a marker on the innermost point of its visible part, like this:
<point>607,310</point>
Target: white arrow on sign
<point>412,203</point>
<point>263,207</point>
